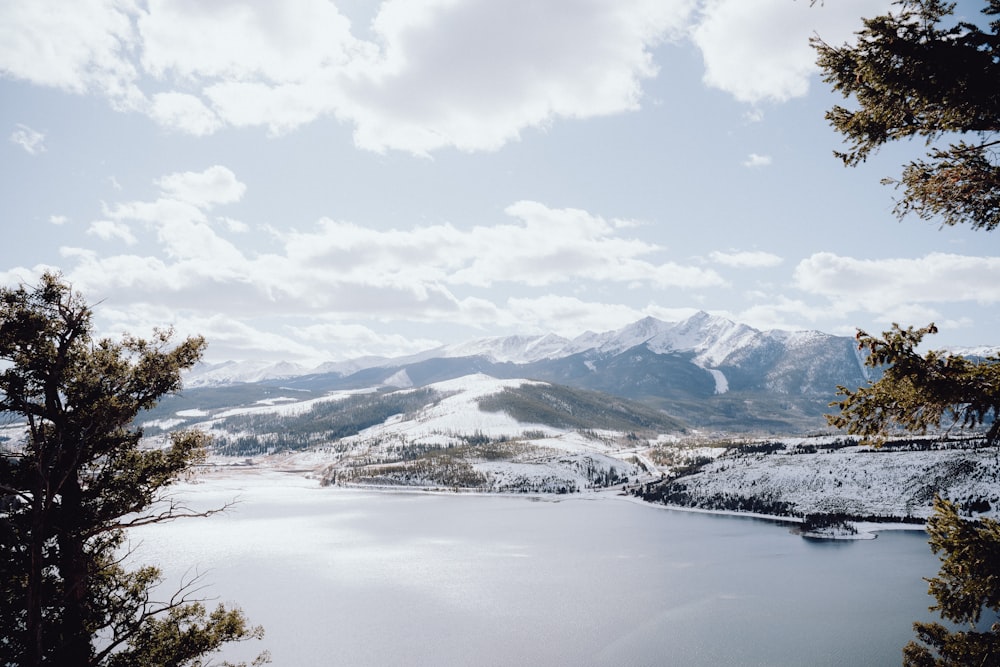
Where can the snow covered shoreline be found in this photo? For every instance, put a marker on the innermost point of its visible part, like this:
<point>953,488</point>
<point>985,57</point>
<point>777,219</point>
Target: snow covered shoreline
<point>834,482</point>
<point>863,530</point>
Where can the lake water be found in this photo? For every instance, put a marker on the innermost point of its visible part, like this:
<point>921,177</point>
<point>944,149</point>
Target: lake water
<point>341,577</point>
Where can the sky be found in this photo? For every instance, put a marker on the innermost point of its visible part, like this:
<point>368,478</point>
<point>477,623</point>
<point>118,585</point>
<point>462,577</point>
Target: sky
<point>320,180</point>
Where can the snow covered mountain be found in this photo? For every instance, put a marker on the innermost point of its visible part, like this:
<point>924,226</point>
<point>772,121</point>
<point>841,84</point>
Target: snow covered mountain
<point>706,370</point>
<point>716,345</point>
<point>641,407</point>
<point>710,338</point>
<point>238,372</point>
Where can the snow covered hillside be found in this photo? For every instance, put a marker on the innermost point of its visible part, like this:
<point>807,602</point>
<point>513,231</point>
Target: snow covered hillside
<point>483,433</point>
<point>827,476</point>
<point>475,432</point>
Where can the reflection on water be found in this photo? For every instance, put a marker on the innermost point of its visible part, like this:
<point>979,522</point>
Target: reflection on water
<point>359,578</point>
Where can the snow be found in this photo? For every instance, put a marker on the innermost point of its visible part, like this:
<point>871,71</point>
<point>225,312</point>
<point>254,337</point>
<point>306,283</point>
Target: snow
<point>710,338</point>
<point>510,349</point>
<point>163,424</point>
<point>458,413</point>
<point>284,405</point>
<point>236,372</point>
<point>979,351</point>
<point>851,480</point>
<point>400,379</point>
<point>521,457</point>
<point>275,401</point>
<point>721,383</point>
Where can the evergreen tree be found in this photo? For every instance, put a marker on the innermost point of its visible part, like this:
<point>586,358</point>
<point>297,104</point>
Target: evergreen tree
<point>916,72</point>
<point>919,392</point>
<point>77,480</point>
<point>913,74</point>
<point>968,582</point>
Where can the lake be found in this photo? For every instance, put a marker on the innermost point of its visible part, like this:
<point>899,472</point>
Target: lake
<point>345,577</point>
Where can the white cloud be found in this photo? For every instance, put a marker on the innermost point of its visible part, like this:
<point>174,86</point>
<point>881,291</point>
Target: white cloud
<point>215,185</point>
<point>781,312</point>
<point>544,246</point>
<point>474,74</point>
<point>32,141</point>
<point>758,50</point>
<point>431,273</point>
<point>755,160</point>
<point>233,225</point>
<point>897,285</point>
<point>108,229</point>
<point>230,40</point>
<point>352,341</point>
<point>184,112</point>
<point>469,74</point>
<point>58,219</point>
<point>747,259</point>
<point>228,337</point>
<point>82,46</point>
<point>570,316</point>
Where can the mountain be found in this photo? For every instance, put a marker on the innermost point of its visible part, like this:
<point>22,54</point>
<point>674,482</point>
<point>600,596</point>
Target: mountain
<point>237,372</point>
<point>679,412</point>
<point>706,370</point>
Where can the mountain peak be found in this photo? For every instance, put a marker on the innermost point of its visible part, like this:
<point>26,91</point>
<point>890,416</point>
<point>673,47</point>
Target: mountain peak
<point>636,333</point>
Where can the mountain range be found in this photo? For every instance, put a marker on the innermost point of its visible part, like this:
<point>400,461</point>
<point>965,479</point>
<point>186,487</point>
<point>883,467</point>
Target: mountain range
<point>707,371</point>
<point>704,412</point>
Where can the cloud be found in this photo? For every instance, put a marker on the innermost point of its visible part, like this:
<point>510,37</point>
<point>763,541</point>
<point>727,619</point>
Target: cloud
<point>748,259</point>
<point>233,225</point>
<point>58,219</point>
<point>184,112</point>
<point>352,341</point>
<point>32,141</point>
<point>468,74</point>
<point>884,285</point>
<point>425,75</point>
<point>228,337</point>
<point>474,74</point>
<point>79,47</point>
<point>215,185</point>
<point>754,160</point>
<point>782,312</point>
<point>568,315</point>
<point>197,265</point>
<point>107,230</point>
<point>542,247</point>
<point>758,50</point>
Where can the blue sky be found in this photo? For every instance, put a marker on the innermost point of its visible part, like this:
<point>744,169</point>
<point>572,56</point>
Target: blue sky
<point>325,179</point>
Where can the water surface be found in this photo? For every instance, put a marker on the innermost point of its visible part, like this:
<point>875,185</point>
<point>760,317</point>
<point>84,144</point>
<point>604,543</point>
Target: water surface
<point>368,578</point>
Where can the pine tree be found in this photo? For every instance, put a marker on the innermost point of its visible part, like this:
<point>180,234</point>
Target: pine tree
<point>918,73</point>
<point>968,582</point>
<point>914,75</point>
<point>78,480</point>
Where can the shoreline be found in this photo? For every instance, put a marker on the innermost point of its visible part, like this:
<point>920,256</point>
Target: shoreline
<point>866,530</point>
